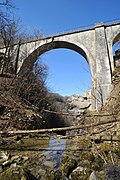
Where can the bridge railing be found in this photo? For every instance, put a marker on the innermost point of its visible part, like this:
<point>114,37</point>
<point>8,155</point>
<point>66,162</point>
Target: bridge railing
<point>87,27</point>
<point>81,28</point>
<point>114,21</point>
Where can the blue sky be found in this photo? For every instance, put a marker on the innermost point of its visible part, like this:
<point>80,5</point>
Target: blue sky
<point>69,72</point>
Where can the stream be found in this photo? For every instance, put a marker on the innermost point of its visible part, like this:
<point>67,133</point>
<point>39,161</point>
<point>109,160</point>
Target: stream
<point>52,156</point>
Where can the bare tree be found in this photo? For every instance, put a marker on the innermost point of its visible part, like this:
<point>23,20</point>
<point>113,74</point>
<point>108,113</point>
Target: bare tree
<point>5,10</point>
<point>29,88</point>
<point>8,34</point>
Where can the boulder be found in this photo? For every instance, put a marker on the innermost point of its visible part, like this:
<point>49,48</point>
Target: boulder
<point>112,172</point>
<point>93,176</point>
<point>78,173</point>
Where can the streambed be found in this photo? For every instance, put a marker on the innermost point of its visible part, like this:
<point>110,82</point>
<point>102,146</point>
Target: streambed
<point>53,154</point>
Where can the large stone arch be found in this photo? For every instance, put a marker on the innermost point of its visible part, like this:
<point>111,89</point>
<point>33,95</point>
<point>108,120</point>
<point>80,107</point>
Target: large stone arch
<point>27,65</point>
<point>29,61</point>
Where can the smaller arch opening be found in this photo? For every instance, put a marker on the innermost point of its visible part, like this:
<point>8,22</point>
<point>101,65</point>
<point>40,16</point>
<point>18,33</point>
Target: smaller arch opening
<point>116,50</point>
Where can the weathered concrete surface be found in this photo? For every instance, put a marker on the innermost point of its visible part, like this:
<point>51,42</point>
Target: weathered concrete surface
<point>94,44</point>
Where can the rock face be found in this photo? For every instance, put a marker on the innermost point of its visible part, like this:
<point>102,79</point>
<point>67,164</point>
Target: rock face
<point>77,103</point>
<point>74,105</point>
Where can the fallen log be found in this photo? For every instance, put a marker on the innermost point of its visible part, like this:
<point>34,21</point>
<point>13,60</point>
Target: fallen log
<point>80,114</point>
<point>60,129</point>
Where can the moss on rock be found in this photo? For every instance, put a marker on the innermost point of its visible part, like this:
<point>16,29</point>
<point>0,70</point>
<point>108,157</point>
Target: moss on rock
<point>17,173</point>
<point>68,164</point>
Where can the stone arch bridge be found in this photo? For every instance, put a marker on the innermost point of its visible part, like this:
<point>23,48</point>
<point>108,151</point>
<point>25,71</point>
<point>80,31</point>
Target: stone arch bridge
<point>94,44</point>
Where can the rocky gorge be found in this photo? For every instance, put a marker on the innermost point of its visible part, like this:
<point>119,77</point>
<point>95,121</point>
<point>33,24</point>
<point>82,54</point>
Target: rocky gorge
<point>89,149</point>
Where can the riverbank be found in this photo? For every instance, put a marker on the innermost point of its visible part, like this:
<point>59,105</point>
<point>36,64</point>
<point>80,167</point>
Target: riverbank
<point>75,157</point>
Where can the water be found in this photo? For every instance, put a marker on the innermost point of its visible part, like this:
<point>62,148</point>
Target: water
<point>55,151</point>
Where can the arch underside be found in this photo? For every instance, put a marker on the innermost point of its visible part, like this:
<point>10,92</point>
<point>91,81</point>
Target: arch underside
<point>29,61</point>
<point>63,44</point>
